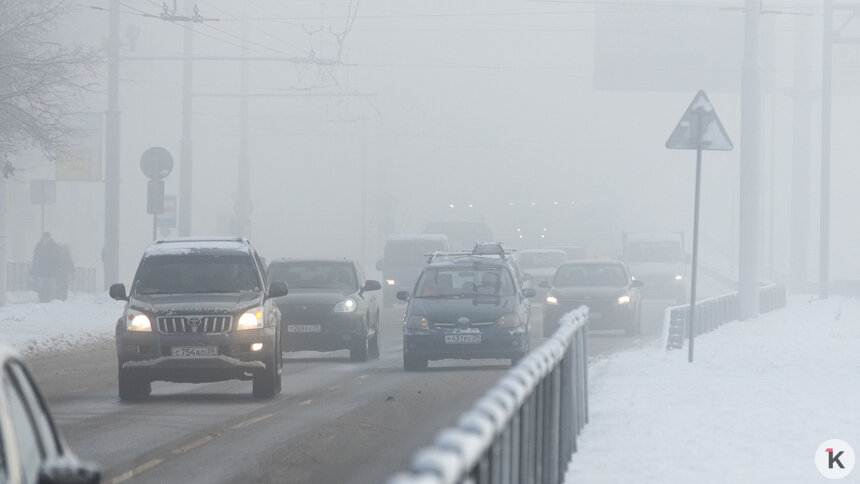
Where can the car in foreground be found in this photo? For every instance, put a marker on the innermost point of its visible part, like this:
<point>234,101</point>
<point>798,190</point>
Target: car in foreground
<point>330,306</point>
<point>32,448</point>
<point>465,306</point>
<point>606,287</point>
<point>199,310</point>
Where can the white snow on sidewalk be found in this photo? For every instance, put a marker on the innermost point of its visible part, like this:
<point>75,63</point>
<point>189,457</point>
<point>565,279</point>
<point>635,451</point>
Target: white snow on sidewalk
<point>39,327</point>
<point>753,407</point>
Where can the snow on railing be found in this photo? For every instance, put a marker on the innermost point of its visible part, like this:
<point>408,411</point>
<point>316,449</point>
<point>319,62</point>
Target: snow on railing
<point>713,312</point>
<point>524,429</point>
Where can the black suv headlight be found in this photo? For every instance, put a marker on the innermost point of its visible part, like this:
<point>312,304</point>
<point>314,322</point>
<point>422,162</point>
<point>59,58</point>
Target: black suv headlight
<point>252,319</point>
<point>417,322</point>
<point>137,321</point>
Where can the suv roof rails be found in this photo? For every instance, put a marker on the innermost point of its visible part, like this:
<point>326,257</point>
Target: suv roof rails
<point>203,239</point>
<point>485,249</point>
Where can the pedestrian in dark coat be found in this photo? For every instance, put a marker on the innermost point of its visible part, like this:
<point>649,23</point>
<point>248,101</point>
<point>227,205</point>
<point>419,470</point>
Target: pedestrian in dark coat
<point>45,267</point>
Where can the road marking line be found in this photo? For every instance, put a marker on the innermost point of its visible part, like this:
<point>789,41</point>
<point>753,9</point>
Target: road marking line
<point>250,421</point>
<point>362,377</point>
<point>137,470</point>
<point>306,402</point>
<point>197,443</point>
<point>335,387</point>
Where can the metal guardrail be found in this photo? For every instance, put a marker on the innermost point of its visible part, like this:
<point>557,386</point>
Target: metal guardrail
<point>714,312</point>
<point>18,278</point>
<point>524,429</point>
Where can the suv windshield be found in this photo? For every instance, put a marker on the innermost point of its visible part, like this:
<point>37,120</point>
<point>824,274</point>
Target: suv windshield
<point>465,280</point>
<point>412,253</point>
<point>315,275</point>
<point>590,275</point>
<point>541,260</point>
<point>185,274</point>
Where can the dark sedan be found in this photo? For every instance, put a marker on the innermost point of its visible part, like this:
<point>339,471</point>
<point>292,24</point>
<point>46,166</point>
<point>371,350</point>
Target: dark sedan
<point>606,287</point>
<point>330,306</point>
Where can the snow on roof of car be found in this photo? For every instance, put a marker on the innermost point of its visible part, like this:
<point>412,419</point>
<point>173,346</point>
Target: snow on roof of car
<point>191,245</point>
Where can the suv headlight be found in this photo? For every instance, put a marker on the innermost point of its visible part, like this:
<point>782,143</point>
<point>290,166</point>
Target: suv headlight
<point>252,319</point>
<point>551,300</point>
<point>390,282</point>
<point>510,320</point>
<point>417,322</point>
<point>623,299</point>
<point>348,305</point>
<point>137,321</point>
<point>679,277</point>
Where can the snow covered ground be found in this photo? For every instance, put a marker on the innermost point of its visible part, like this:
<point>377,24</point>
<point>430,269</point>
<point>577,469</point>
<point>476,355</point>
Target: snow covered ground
<point>34,328</point>
<point>753,407</point>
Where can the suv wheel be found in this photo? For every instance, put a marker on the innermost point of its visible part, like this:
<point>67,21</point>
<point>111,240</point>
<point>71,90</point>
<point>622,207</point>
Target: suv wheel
<point>267,383</point>
<point>360,350</point>
<point>375,348</point>
<point>133,385</point>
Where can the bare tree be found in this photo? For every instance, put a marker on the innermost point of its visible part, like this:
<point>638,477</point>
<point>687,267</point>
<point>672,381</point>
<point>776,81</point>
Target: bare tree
<point>41,81</point>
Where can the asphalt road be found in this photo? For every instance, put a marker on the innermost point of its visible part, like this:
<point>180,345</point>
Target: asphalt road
<point>334,422</point>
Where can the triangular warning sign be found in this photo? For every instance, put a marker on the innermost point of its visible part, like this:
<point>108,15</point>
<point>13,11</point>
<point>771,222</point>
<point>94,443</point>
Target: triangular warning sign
<point>700,128</point>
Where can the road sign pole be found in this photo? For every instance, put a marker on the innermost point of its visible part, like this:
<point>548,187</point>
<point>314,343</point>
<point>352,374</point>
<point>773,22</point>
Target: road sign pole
<point>154,227</point>
<point>692,318</point>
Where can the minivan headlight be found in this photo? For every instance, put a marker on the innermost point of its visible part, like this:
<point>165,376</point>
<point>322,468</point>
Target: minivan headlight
<point>348,305</point>
<point>510,320</point>
<point>252,319</point>
<point>137,321</point>
<point>623,299</point>
<point>417,322</point>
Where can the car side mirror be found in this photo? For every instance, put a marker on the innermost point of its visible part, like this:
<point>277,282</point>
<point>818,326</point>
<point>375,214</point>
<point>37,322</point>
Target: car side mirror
<point>65,470</point>
<point>403,295</point>
<point>544,285</point>
<point>371,285</point>
<point>117,291</point>
<point>637,283</point>
<point>379,265</point>
<point>278,289</point>
<point>529,292</point>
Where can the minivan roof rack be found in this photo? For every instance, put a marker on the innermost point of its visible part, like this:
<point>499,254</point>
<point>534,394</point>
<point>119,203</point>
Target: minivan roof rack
<point>485,249</point>
<point>203,239</point>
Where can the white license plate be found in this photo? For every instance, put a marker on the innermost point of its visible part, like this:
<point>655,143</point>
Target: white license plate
<point>462,339</point>
<point>594,315</point>
<point>194,351</point>
<point>304,328</point>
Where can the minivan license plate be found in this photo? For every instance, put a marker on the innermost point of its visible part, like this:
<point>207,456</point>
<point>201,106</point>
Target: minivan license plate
<point>462,339</point>
<point>304,328</point>
<point>194,351</point>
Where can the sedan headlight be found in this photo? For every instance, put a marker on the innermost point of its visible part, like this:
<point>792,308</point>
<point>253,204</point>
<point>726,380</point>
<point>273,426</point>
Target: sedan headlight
<point>679,277</point>
<point>346,306</point>
<point>551,300</point>
<point>390,282</point>
<point>252,319</point>
<point>623,299</point>
<point>137,321</point>
<point>417,322</point>
<point>511,320</point>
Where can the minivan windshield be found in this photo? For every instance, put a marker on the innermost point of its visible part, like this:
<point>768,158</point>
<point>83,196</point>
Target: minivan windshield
<point>465,280</point>
<point>187,274</point>
<point>654,251</point>
<point>334,276</point>
<point>590,275</point>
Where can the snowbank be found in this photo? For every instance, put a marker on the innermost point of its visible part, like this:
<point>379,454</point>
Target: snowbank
<point>35,328</point>
<point>754,406</point>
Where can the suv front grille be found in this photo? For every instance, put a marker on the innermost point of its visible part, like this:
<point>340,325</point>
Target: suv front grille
<point>195,324</point>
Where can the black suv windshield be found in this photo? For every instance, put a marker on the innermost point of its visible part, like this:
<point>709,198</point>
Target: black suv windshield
<point>333,276</point>
<point>590,275</point>
<point>186,274</point>
<point>466,280</point>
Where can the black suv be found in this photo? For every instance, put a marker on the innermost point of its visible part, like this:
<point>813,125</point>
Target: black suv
<point>466,305</point>
<point>199,310</point>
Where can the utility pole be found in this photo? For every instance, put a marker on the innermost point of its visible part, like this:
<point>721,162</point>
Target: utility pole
<point>750,167</point>
<point>242,218</point>
<point>826,104</point>
<point>801,129</point>
<point>110,252</point>
<point>185,155</point>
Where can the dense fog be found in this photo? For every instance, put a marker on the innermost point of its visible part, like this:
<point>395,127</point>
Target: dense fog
<point>540,114</point>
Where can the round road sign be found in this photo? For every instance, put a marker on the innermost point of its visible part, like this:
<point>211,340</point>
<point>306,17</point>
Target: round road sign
<point>156,163</point>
